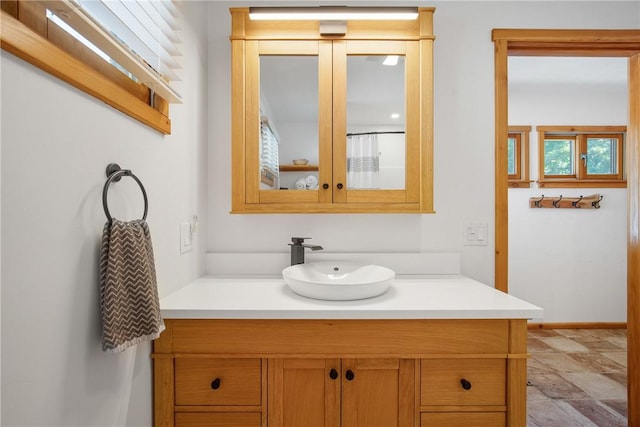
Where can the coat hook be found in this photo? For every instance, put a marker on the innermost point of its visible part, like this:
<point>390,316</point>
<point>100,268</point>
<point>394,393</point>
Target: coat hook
<point>575,204</point>
<point>556,202</point>
<point>596,203</point>
<point>538,203</point>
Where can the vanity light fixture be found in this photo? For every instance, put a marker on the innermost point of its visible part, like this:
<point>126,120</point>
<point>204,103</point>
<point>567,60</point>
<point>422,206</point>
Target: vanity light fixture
<point>395,115</point>
<point>332,13</point>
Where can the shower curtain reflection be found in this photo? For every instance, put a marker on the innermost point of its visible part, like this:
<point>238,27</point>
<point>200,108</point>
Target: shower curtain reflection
<point>363,162</point>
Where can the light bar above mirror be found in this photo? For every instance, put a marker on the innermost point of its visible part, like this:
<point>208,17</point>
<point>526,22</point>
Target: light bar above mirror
<point>340,13</point>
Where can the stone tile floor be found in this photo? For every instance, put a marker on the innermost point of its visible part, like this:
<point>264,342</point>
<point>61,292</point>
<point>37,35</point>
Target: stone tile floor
<point>577,377</point>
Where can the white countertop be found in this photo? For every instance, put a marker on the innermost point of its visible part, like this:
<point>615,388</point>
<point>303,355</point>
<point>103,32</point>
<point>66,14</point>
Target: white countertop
<point>427,297</point>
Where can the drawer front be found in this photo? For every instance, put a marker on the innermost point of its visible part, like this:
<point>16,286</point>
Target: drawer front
<point>218,381</point>
<point>463,419</point>
<point>463,382</point>
<point>220,419</point>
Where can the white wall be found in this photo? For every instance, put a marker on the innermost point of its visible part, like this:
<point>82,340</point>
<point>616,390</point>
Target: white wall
<point>572,262</point>
<point>56,143</point>
<point>464,137</point>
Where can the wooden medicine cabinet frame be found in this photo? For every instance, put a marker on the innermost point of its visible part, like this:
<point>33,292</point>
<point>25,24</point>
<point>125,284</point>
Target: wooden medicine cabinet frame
<point>250,39</point>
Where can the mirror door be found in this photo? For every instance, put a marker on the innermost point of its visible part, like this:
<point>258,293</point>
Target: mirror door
<point>376,145</point>
<point>292,83</point>
<point>331,120</point>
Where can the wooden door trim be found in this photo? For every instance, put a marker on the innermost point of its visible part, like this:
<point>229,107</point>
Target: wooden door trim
<point>621,43</point>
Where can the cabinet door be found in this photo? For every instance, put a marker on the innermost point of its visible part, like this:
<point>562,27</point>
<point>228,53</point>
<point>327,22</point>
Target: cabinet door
<point>377,392</point>
<point>376,156</point>
<point>284,78</point>
<point>304,392</point>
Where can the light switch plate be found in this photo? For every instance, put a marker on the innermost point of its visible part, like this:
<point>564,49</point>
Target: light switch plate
<point>475,234</point>
<point>186,238</point>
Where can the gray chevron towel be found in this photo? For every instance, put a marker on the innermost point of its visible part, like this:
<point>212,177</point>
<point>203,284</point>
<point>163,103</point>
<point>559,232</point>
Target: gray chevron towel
<point>128,290</point>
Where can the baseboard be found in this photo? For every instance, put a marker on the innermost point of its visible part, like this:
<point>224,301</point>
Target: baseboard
<point>578,325</point>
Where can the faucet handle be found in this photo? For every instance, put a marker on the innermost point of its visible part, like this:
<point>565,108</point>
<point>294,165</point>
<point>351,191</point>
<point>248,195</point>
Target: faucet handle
<point>299,240</point>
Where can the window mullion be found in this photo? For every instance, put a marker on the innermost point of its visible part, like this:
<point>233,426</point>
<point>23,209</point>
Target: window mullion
<point>580,144</point>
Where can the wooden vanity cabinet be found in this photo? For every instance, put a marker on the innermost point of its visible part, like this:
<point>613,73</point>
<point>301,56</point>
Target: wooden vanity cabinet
<point>335,392</point>
<point>340,373</point>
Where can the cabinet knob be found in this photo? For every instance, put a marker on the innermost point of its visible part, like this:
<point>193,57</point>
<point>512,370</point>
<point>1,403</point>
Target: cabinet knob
<point>339,186</point>
<point>333,374</point>
<point>465,384</point>
<point>215,384</point>
<point>325,186</point>
<point>350,375</point>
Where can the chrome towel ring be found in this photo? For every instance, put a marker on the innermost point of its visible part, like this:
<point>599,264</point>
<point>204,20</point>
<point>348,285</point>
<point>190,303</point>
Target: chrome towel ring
<point>114,174</point>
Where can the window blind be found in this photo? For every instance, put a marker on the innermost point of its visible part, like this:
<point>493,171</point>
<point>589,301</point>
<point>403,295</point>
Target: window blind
<point>139,35</point>
<point>269,158</point>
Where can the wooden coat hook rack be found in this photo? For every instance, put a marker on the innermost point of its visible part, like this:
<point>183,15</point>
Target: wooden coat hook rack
<point>581,202</point>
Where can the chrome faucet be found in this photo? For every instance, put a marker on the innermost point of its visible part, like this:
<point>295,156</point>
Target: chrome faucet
<point>297,249</point>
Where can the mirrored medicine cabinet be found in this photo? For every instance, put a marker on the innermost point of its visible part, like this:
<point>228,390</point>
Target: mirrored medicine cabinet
<point>332,123</point>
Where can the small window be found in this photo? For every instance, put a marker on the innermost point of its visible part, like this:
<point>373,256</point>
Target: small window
<point>588,156</point>
<point>600,157</point>
<point>123,53</point>
<point>518,156</point>
<point>559,156</point>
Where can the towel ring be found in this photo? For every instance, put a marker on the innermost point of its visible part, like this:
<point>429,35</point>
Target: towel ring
<point>114,174</point>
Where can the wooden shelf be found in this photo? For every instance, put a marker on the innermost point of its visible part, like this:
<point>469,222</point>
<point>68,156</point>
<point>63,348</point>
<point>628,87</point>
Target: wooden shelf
<point>298,168</point>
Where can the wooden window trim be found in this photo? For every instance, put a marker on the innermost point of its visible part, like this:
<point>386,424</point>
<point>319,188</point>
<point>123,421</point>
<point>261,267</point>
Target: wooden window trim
<point>517,148</point>
<point>623,43</point>
<point>521,178</point>
<point>585,183</point>
<point>580,179</point>
<point>31,46</point>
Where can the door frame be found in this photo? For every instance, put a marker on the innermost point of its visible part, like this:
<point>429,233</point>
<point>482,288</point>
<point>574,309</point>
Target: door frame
<point>614,43</point>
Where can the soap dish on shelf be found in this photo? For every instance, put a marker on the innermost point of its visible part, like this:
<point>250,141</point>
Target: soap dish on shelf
<point>300,162</point>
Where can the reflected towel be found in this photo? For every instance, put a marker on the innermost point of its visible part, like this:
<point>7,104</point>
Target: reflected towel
<point>128,290</point>
<point>301,184</point>
<point>312,182</point>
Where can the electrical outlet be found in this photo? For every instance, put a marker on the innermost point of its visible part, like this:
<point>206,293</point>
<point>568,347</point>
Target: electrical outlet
<point>186,237</point>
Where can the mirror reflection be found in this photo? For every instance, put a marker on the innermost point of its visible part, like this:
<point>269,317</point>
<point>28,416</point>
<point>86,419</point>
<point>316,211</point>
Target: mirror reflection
<point>375,140</point>
<point>375,122</point>
<point>289,122</point>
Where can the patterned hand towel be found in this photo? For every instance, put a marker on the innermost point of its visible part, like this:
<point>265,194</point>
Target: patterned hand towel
<point>128,289</point>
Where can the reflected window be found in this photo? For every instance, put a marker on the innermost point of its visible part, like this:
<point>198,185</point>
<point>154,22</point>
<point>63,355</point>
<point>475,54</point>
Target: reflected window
<point>269,158</point>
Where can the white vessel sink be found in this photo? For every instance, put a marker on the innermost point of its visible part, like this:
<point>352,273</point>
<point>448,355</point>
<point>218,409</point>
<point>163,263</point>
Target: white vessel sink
<point>338,281</point>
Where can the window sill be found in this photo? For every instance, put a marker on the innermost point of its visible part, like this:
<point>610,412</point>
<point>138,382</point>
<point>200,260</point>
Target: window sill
<point>593,183</point>
<point>23,42</point>
<point>519,184</point>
